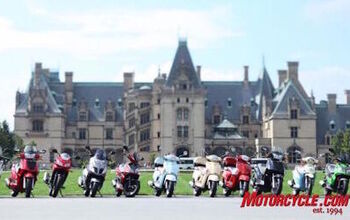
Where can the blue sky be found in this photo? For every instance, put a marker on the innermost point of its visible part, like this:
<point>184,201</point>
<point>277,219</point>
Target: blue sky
<point>98,40</point>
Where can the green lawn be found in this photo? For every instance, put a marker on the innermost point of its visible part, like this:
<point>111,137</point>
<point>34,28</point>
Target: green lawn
<point>182,187</point>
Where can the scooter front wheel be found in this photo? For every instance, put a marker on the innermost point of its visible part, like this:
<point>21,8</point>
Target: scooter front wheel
<point>226,192</point>
<point>197,191</point>
<point>29,187</point>
<point>213,188</point>
<point>94,189</point>
<point>157,192</point>
<point>170,189</point>
<point>244,187</point>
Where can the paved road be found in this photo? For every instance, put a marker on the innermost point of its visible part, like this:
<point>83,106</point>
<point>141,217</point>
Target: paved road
<point>148,208</point>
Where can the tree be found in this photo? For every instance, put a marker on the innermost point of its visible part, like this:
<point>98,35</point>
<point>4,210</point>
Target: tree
<point>341,142</point>
<point>7,140</point>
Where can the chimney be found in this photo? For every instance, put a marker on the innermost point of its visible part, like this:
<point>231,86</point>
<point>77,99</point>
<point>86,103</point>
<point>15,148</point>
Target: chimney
<point>246,75</point>
<point>292,71</point>
<point>282,76</point>
<point>199,72</point>
<point>68,87</point>
<point>128,81</point>
<point>37,72</point>
<point>332,103</point>
<point>347,95</point>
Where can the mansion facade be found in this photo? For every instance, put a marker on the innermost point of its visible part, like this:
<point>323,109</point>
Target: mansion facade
<point>178,112</point>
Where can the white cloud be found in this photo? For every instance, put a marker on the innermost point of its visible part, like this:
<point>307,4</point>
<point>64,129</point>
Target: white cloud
<point>90,34</point>
<point>326,9</point>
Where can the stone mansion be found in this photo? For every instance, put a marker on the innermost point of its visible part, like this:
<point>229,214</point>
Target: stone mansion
<point>178,112</point>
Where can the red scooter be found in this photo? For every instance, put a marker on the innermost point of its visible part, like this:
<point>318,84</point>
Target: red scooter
<point>236,174</point>
<point>127,176</point>
<point>24,175</point>
<point>60,171</point>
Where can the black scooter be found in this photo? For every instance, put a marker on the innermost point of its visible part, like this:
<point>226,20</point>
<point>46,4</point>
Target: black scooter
<point>268,173</point>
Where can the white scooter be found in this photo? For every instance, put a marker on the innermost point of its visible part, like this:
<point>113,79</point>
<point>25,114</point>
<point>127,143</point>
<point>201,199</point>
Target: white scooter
<point>93,175</point>
<point>304,176</point>
<point>165,174</point>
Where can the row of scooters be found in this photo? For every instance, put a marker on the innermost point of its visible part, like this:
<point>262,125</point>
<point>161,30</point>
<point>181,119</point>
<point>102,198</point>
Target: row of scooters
<point>231,173</point>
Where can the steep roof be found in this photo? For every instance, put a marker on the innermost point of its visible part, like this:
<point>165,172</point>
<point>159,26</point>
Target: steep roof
<point>281,101</point>
<point>183,63</point>
<point>218,93</point>
<point>266,89</point>
<point>340,118</point>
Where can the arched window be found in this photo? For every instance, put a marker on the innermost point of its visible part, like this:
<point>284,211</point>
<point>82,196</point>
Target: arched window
<point>294,154</point>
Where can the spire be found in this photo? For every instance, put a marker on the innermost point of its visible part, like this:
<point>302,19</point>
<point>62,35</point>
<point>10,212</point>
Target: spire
<point>182,64</point>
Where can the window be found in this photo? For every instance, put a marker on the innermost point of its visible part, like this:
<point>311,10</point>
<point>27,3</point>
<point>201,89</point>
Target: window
<point>229,102</point>
<point>294,114</point>
<point>217,119</point>
<point>158,101</point>
<point>182,114</point>
<point>294,132</point>
<point>158,148</point>
<point>158,116</point>
<point>185,114</point>
<point>182,131</point>
<point>332,125</point>
<point>82,133</point>
<point>131,122</point>
<point>206,103</point>
<point>144,135</point>
<point>158,134</point>
<point>178,100</point>
<point>73,135</point>
<point>179,131</point>
<point>38,125</point>
<point>328,140</point>
<point>38,108</point>
<point>109,133</point>
<point>347,125</point>
<point>144,118</point>
<point>131,107</point>
<point>245,134</point>
<point>185,134</point>
<point>120,103</point>
<point>97,102</point>
<point>82,116</point>
<point>131,139</point>
<point>187,100</point>
<point>294,154</point>
<point>245,119</point>
<point>179,114</point>
<point>144,104</point>
<point>145,149</point>
<point>109,116</point>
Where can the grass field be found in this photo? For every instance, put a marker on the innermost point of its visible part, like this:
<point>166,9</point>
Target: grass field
<point>182,187</point>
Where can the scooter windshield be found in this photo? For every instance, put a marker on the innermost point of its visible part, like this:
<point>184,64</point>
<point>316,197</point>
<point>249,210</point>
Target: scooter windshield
<point>100,154</point>
<point>171,166</point>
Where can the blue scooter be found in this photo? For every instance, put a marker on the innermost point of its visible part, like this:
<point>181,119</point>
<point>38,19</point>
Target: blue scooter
<point>165,175</point>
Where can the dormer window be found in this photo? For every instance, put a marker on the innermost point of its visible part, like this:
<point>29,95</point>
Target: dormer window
<point>229,102</point>
<point>97,102</point>
<point>347,124</point>
<point>109,116</point>
<point>332,125</point>
<point>184,86</point>
<point>294,114</point>
<point>82,116</point>
<point>120,103</point>
<point>245,119</point>
<point>74,102</point>
<point>38,108</point>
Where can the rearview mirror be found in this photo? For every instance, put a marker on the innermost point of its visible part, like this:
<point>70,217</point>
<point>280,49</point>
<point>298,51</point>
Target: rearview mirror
<point>77,157</point>
<point>112,152</point>
<point>87,147</point>
<point>42,151</point>
<point>332,150</point>
<point>125,148</point>
<point>54,151</point>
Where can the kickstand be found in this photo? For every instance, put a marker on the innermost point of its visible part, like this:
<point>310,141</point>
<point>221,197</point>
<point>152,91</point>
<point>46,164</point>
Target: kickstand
<point>100,193</point>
